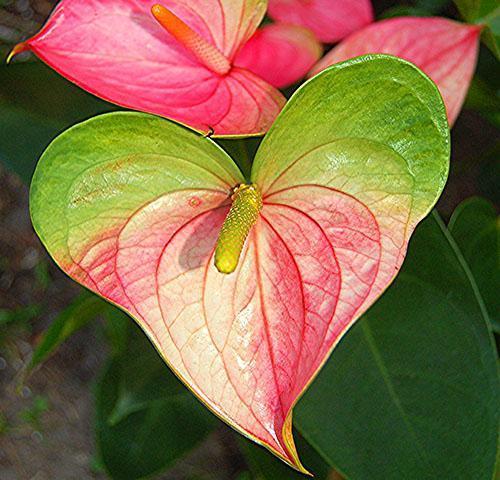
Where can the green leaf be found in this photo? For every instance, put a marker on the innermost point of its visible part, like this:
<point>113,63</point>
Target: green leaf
<point>485,99</point>
<point>491,37</point>
<point>18,315</point>
<point>404,11</point>
<point>475,10</point>
<point>116,329</point>
<point>420,8</point>
<point>487,13</point>
<point>489,174</point>
<point>145,418</point>
<point>412,390</point>
<point>35,105</point>
<point>246,476</point>
<point>432,6</point>
<point>475,227</point>
<point>85,308</point>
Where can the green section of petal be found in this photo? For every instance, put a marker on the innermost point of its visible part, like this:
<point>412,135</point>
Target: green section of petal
<point>99,172</point>
<point>370,117</point>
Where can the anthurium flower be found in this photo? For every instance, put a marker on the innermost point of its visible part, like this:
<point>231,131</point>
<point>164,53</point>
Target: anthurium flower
<point>330,20</point>
<point>245,287</point>
<point>178,60</point>
<point>280,53</point>
<point>444,49</point>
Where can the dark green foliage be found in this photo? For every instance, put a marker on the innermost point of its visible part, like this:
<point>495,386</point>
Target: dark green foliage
<point>145,418</point>
<point>412,390</point>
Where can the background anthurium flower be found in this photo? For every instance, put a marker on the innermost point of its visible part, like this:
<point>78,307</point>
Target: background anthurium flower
<point>444,49</point>
<point>131,206</point>
<point>330,20</point>
<point>178,65</point>
<point>280,53</point>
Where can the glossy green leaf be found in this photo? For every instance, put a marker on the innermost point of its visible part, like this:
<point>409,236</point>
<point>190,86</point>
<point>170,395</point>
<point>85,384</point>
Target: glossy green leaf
<point>475,11</point>
<point>85,308</point>
<point>36,104</point>
<point>145,418</point>
<point>487,13</point>
<point>483,98</point>
<point>475,227</point>
<point>412,390</point>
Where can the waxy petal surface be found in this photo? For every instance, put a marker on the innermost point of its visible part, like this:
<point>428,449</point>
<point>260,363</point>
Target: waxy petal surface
<point>445,50</point>
<point>137,204</point>
<point>365,165</point>
<point>330,20</point>
<point>116,50</point>
<point>280,53</point>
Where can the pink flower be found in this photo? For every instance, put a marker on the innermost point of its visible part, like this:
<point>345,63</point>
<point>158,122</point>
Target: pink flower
<point>190,61</point>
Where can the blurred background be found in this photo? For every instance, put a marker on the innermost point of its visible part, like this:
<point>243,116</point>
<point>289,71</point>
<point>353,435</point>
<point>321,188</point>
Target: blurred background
<point>51,403</point>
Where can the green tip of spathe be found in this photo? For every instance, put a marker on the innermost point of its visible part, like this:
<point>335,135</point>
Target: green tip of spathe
<point>244,212</point>
<point>19,48</point>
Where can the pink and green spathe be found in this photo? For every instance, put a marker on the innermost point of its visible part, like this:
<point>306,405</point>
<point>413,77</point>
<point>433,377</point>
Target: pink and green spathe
<point>148,214</point>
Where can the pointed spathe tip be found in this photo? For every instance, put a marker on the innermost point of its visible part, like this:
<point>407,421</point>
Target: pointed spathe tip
<point>19,48</point>
<point>289,446</point>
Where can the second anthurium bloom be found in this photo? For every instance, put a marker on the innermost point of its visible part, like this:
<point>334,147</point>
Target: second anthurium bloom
<point>245,286</point>
<point>330,20</point>
<point>444,49</point>
<point>181,59</point>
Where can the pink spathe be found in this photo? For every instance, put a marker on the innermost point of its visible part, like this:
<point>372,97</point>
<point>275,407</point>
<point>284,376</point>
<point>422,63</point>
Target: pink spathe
<point>444,49</point>
<point>280,53</point>
<point>330,20</point>
<point>117,50</point>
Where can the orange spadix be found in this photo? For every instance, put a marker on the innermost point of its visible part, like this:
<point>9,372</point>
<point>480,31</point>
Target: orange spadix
<point>204,51</point>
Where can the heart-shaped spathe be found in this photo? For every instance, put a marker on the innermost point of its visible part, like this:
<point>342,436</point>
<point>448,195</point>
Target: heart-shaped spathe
<point>131,205</point>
